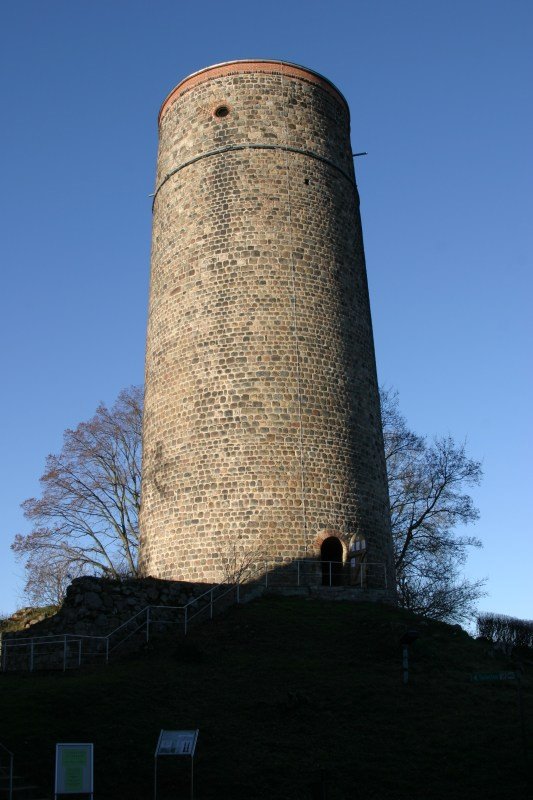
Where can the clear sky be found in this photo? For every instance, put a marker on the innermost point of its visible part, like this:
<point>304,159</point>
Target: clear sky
<point>440,97</point>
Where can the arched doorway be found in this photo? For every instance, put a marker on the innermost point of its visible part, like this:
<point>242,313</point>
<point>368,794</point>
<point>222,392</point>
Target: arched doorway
<point>331,558</point>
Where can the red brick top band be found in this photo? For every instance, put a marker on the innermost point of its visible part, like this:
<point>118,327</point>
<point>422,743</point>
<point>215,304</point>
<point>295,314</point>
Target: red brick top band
<point>236,67</point>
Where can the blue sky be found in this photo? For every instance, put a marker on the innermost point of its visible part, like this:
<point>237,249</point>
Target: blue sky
<point>440,98</point>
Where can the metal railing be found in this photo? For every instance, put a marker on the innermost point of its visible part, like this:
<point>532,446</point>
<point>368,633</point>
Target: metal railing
<point>53,651</point>
<point>11,757</point>
<point>310,572</point>
<point>71,650</point>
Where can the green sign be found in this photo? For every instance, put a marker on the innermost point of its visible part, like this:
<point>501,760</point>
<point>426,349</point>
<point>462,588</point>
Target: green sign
<point>73,779</point>
<point>74,758</point>
<point>74,769</point>
<point>479,677</point>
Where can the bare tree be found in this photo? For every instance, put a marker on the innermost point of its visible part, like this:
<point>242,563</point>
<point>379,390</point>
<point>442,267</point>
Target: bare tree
<point>86,520</point>
<point>428,498</point>
<point>240,561</point>
<point>48,575</point>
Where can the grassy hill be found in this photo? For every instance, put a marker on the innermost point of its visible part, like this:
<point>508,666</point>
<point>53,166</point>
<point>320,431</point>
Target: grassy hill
<point>294,699</point>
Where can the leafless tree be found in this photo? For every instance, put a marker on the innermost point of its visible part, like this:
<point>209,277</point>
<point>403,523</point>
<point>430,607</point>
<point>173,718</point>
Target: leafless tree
<point>240,562</point>
<point>48,575</point>
<point>428,498</point>
<point>86,520</point>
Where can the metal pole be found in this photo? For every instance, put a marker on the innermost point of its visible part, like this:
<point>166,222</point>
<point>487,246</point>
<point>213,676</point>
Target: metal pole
<point>147,623</point>
<point>405,663</point>
<point>64,652</point>
<point>31,656</point>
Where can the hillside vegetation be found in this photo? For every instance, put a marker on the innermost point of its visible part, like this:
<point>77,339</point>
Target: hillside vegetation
<point>294,699</point>
<point>25,617</point>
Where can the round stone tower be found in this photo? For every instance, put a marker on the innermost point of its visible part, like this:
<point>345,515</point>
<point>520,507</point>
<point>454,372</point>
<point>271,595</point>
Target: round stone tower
<point>262,431</point>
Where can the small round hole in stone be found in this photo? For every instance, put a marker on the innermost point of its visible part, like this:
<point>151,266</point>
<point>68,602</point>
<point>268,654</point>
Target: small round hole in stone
<point>221,112</point>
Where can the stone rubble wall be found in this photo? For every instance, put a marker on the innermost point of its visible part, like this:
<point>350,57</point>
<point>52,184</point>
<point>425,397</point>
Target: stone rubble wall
<point>25,618</point>
<point>96,606</point>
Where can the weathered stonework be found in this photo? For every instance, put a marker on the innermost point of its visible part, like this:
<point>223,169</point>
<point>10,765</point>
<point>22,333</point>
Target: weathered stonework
<point>262,427</point>
<point>96,606</point>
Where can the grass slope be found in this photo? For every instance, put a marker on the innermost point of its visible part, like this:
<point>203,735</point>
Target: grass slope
<point>294,699</point>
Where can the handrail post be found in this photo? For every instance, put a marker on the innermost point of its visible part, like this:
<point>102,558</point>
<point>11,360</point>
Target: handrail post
<point>31,656</point>
<point>147,623</point>
<point>211,604</point>
<point>64,652</point>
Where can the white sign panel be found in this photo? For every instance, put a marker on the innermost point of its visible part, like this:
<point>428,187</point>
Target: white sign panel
<point>176,743</point>
<point>74,769</point>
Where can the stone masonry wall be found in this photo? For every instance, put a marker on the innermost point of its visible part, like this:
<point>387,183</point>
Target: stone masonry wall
<point>96,606</point>
<point>262,430</point>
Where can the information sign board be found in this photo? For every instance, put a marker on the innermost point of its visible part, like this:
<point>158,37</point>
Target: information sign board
<point>176,743</point>
<point>74,769</point>
<point>479,677</point>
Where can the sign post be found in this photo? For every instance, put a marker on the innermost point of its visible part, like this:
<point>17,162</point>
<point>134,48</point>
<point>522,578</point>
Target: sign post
<point>176,743</point>
<point>408,638</point>
<point>74,769</point>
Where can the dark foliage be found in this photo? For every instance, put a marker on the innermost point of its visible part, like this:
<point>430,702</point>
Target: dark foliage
<point>508,631</point>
